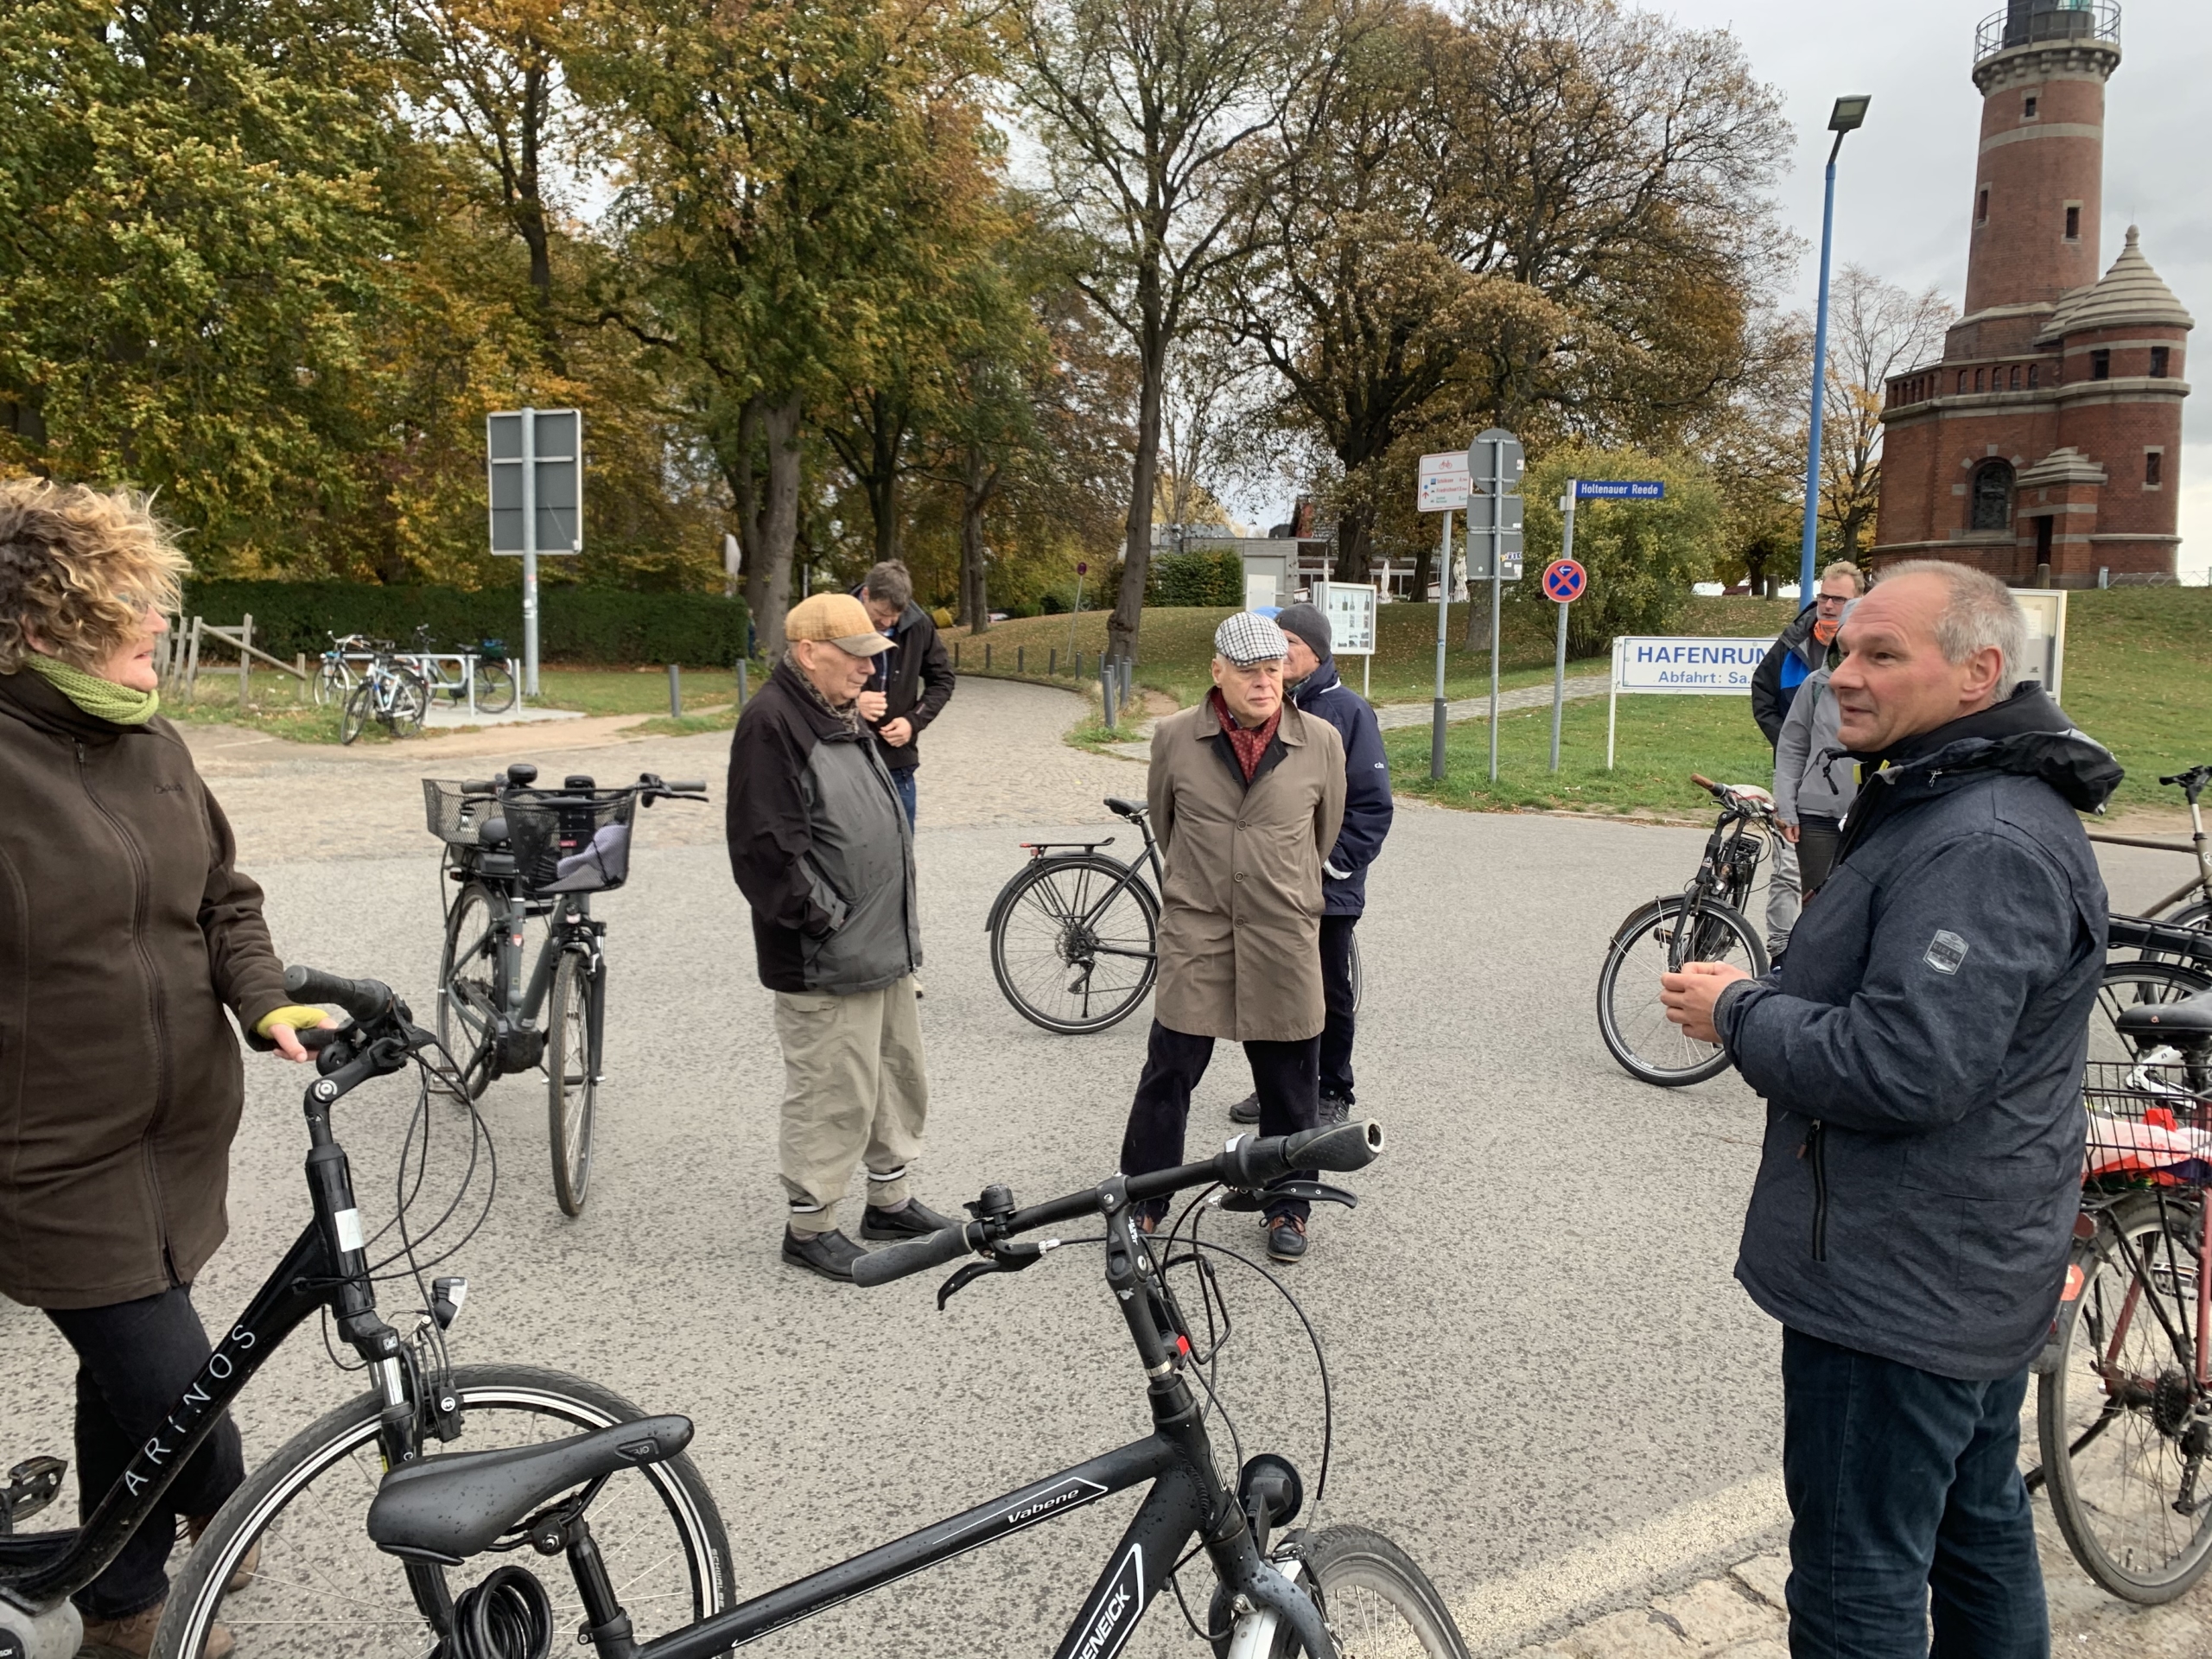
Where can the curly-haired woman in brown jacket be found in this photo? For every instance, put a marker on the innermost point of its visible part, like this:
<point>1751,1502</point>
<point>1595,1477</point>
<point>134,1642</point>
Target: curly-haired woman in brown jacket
<point>126,933</point>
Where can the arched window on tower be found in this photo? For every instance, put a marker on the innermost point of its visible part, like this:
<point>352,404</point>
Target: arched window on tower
<point>1992,496</point>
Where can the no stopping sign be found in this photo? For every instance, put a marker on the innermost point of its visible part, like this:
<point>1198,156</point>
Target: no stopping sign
<point>1564,581</point>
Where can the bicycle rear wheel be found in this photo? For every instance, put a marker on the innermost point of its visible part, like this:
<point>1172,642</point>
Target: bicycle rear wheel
<point>1359,976</point>
<point>410,703</point>
<point>571,1090</point>
<point>321,1588</point>
<point>1378,1603</point>
<point>1651,942</point>
<point>2142,982</point>
<point>1075,941</point>
<point>471,986</point>
<point>2124,1429</point>
<point>333,682</point>
<point>495,688</point>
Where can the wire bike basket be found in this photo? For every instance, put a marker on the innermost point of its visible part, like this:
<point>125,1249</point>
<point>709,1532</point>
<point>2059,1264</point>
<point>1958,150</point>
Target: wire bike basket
<point>2147,1127</point>
<point>564,841</point>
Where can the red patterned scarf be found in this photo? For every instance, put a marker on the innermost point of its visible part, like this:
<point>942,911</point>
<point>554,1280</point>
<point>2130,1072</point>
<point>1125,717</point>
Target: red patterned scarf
<point>1250,746</point>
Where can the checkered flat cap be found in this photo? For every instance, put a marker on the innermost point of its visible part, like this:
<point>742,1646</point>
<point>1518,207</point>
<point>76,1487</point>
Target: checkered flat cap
<point>1246,638</point>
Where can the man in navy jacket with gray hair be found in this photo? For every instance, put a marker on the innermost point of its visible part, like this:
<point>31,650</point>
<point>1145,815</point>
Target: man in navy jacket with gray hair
<point>1919,1051</point>
<point>1310,672</point>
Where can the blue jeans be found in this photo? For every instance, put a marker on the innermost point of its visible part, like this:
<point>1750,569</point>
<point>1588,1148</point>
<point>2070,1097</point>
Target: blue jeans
<point>1904,1489</point>
<point>903,780</point>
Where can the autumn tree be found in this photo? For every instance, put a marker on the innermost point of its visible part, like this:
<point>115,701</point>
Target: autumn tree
<point>1876,329</point>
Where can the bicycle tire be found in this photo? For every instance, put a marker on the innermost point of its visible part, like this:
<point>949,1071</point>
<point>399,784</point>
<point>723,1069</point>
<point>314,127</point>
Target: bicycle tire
<point>471,949</point>
<point>2133,983</point>
<point>2138,1550</point>
<point>306,1506</point>
<point>1374,1597</point>
<point>571,1090</point>
<point>1041,933</point>
<point>1647,1045</point>
<point>410,703</point>
<point>361,709</point>
<point>1358,975</point>
<point>333,682</point>
<point>495,688</point>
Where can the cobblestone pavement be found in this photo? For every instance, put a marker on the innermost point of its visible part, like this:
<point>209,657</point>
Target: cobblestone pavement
<point>1534,1195</point>
<point>1741,1615</point>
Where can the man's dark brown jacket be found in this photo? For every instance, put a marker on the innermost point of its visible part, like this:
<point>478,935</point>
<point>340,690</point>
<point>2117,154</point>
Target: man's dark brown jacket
<point>125,934</point>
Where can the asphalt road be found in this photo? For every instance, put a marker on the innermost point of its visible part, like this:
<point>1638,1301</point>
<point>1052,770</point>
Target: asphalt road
<point>1548,1388</point>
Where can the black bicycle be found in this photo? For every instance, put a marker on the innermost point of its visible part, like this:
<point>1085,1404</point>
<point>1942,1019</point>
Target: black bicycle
<point>303,1508</point>
<point>1337,1590</point>
<point>1075,934</point>
<point>527,860</point>
<point>1704,922</point>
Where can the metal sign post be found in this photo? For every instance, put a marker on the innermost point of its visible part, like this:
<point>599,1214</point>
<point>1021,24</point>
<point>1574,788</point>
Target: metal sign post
<point>1495,459</point>
<point>534,458</point>
<point>1443,488</point>
<point>1564,581</point>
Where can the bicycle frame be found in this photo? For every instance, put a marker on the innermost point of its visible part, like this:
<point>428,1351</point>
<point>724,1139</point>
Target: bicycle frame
<point>572,929</point>
<point>1131,872</point>
<point>325,1267</point>
<point>2199,886</point>
<point>1188,1500</point>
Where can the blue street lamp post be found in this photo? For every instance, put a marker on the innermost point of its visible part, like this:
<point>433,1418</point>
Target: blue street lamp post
<point>1847,117</point>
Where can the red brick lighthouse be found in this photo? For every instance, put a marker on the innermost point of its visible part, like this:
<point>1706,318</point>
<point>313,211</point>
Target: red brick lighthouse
<point>2044,447</point>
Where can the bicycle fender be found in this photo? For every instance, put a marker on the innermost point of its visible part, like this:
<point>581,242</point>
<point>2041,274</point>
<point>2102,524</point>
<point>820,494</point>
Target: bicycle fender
<point>2079,1265</point>
<point>1655,909</point>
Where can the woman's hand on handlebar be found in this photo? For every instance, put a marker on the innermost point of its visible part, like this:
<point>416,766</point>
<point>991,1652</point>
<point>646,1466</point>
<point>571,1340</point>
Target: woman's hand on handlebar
<point>285,1033</point>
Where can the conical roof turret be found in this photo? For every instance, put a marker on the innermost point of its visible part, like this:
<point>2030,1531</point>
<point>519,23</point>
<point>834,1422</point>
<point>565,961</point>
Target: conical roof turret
<point>2130,294</point>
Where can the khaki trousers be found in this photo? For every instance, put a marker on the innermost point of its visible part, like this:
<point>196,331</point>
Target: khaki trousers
<point>855,1089</point>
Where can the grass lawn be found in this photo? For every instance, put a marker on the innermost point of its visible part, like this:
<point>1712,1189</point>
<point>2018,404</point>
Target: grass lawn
<point>279,704</point>
<point>2138,678</point>
<point>1176,646</point>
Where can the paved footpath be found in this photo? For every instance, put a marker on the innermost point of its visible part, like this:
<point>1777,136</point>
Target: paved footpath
<point>1546,1385</point>
<point>1391,716</point>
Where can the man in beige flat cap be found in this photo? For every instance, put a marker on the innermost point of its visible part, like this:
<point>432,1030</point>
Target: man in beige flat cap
<point>824,855</point>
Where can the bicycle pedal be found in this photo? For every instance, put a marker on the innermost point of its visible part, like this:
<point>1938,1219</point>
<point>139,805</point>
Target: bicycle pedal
<point>31,1487</point>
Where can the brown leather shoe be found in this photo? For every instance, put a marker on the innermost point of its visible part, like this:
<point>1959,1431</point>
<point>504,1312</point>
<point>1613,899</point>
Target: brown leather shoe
<point>242,1574</point>
<point>132,1637</point>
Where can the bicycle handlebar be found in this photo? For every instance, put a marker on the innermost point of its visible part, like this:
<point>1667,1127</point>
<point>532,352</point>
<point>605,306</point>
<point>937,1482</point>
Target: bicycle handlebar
<point>1249,1162</point>
<point>367,999</point>
<point>2191,782</point>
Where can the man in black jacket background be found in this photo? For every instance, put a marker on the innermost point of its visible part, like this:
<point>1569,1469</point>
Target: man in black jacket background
<point>911,683</point>
<point>1919,1051</point>
<point>823,849</point>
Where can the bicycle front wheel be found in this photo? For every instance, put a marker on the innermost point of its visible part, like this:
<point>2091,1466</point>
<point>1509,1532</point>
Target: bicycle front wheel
<point>360,709</point>
<point>1359,976</point>
<point>1376,1601</point>
<point>333,682</point>
<point>320,1587</point>
<point>495,688</point>
<point>471,986</point>
<point>571,1087</point>
<point>2121,1422</point>
<point>1075,942</point>
<point>410,703</point>
<point>1655,940</point>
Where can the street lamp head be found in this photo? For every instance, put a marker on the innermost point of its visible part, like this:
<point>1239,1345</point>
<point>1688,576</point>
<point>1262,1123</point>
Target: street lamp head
<point>1850,113</point>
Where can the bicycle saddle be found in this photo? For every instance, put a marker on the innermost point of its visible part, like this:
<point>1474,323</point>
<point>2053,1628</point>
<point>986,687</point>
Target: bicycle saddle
<point>1125,809</point>
<point>445,1509</point>
<point>2187,1023</point>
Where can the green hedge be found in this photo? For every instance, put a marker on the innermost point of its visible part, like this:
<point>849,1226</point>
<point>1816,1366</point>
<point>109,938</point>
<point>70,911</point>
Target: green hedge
<point>1202,576</point>
<point>575,624</point>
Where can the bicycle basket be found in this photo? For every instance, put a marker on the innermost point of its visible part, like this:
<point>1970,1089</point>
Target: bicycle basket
<point>2147,1127</point>
<point>491,650</point>
<point>454,817</point>
<point>580,845</point>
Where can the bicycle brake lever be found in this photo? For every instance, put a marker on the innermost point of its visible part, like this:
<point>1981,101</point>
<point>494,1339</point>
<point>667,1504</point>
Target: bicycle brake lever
<point>1004,1258</point>
<point>1313,1192</point>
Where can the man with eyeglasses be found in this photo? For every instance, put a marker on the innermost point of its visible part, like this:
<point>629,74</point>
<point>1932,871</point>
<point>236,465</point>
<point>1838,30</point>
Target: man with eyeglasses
<point>1793,658</point>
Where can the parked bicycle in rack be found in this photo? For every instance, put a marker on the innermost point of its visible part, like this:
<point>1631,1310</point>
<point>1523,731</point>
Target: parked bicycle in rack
<point>1075,934</point>
<point>334,679</point>
<point>1321,1592</point>
<point>1704,922</point>
<point>528,859</point>
<point>305,1507</point>
<point>390,694</point>
<point>480,679</point>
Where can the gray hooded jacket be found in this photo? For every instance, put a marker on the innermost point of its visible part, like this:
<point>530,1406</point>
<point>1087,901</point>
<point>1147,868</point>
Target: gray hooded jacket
<point>1804,779</point>
<point>1920,1052</point>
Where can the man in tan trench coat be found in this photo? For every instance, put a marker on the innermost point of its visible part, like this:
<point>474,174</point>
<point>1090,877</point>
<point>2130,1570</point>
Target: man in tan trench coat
<point>1247,795</point>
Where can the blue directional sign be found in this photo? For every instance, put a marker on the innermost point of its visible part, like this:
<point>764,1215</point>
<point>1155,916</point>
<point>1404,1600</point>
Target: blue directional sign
<point>1619,489</point>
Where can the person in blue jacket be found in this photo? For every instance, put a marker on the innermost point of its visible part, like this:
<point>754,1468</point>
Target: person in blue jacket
<point>1311,670</point>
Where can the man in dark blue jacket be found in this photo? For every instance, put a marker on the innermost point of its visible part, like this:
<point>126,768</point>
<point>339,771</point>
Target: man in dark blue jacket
<point>1312,670</point>
<point>1920,1052</point>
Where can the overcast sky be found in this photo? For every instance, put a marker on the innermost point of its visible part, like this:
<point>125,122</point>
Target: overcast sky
<point>1904,183</point>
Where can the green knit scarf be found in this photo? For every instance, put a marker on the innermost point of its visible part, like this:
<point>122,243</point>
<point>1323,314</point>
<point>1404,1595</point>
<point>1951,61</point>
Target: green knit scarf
<point>102,699</point>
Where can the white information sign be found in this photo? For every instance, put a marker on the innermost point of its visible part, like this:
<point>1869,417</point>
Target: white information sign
<point>1444,482</point>
<point>1708,668</point>
<point>1349,606</point>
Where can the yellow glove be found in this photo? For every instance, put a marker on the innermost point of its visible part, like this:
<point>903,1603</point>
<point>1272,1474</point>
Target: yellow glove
<point>298,1018</point>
